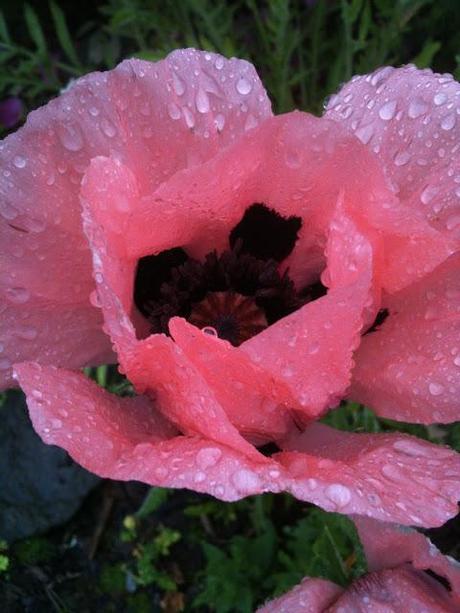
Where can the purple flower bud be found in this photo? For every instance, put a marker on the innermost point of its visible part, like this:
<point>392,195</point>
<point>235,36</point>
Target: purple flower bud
<point>10,111</point>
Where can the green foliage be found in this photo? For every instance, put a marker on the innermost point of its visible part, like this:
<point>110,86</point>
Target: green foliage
<point>4,558</point>
<point>34,550</point>
<point>270,559</point>
<point>149,568</point>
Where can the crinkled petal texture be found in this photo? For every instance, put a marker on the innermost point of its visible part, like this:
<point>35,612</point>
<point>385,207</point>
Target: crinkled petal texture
<point>155,118</point>
<point>409,369</point>
<point>397,559</point>
<point>177,157</point>
<point>129,438</point>
<point>410,119</point>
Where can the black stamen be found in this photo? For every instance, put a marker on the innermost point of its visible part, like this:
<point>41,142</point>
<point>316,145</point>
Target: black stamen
<point>152,271</point>
<point>265,234</point>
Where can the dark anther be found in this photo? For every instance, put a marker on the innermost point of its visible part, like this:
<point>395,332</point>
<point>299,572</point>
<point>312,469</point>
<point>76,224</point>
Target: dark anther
<point>381,317</point>
<point>442,580</point>
<point>152,271</point>
<point>265,234</point>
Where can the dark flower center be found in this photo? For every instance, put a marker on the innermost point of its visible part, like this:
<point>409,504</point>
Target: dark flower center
<point>237,293</point>
<point>232,316</point>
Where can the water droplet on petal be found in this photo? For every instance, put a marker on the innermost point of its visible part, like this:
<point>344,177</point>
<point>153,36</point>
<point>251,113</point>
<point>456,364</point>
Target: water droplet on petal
<point>402,158</point>
<point>440,98</point>
<point>387,111</point>
<point>19,161</point>
<point>219,63</point>
<point>189,118</point>
<point>178,84</point>
<point>338,494</point>
<point>436,389</point>
<point>202,101</point>
<point>70,137</point>
<point>208,456</point>
<point>448,122</point>
<point>108,128</point>
<point>219,122</point>
<point>246,481</point>
<point>174,111</point>
<point>243,86</point>
<point>416,108</point>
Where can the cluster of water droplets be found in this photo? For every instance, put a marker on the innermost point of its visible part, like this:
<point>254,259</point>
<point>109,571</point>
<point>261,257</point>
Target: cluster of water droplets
<point>411,118</point>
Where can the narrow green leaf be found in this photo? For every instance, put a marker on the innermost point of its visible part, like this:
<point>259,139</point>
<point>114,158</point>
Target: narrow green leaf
<point>63,34</point>
<point>35,29</point>
<point>4,34</point>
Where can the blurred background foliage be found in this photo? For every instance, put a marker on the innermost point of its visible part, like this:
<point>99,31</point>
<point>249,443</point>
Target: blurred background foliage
<point>131,548</point>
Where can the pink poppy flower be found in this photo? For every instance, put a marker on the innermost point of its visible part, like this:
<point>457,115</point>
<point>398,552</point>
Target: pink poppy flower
<point>207,230</point>
<point>406,572</point>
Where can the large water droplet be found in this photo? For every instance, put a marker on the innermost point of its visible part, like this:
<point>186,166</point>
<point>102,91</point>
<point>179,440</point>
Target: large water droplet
<point>448,122</point>
<point>440,98</point>
<point>246,481</point>
<point>178,84</point>
<point>70,137</point>
<point>387,111</point>
<point>219,122</point>
<point>108,128</point>
<point>243,86</point>
<point>19,161</point>
<point>189,117</point>
<point>402,158</point>
<point>417,107</point>
<point>208,456</point>
<point>338,494</point>
<point>202,101</point>
<point>174,111</point>
<point>435,389</point>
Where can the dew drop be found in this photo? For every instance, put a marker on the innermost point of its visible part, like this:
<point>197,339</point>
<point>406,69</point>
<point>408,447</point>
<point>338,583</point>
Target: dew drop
<point>243,86</point>
<point>174,111</point>
<point>19,161</point>
<point>440,98</point>
<point>402,158</point>
<point>219,122</point>
<point>338,494</point>
<point>387,111</point>
<point>246,480</point>
<point>416,108</point>
<point>208,456</point>
<point>189,117</point>
<point>219,63</point>
<point>108,128</point>
<point>202,101</point>
<point>435,389</point>
<point>448,122</point>
<point>178,84</point>
<point>365,133</point>
<point>70,137</point>
<point>4,364</point>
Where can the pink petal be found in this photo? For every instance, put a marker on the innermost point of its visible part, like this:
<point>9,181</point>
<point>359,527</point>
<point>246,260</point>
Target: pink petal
<point>409,370</point>
<point>127,438</point>
<point>410,119</point>
<point>387,546</point>
<point>157,118</point>
<point>393,591</point>
<point>249,395</point>
<point>387,476</point>
<point>310,596</point>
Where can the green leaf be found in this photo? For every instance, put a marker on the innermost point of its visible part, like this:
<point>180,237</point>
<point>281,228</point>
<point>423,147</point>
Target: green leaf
<point>154,499</point>
<point>35,29</point>
<point>63,33</point>
<point>4,34</point>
